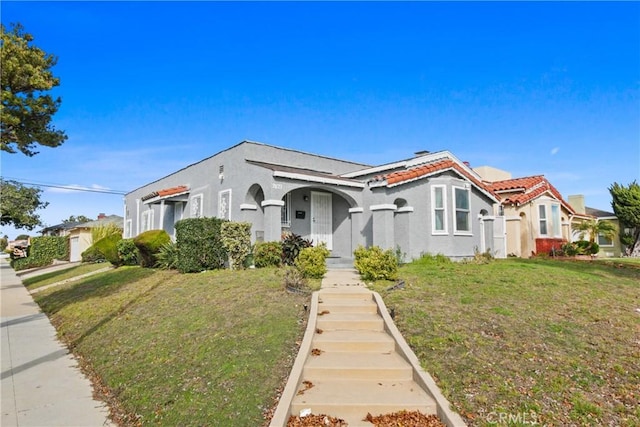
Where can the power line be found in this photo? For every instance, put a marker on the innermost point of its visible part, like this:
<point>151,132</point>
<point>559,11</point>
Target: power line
<point>67,187</point>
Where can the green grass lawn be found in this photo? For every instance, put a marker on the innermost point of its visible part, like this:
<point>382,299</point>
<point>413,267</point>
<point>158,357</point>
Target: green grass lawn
<point>62,275</point>
<point>168,349</point>
<point>555,342</point>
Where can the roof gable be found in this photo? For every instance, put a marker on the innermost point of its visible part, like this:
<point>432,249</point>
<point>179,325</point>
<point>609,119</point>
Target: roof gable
<point>519,191</point>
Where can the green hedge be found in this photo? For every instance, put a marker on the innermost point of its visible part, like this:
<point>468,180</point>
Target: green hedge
<point>312,261</point>
<point>373,263</point>
<point>108,247</point>
<point>127,252</point>
<point>149,244</point>
<point>42,252</point>
<point>199,245</point>
<point>267,254</point>
<point>236,238</point>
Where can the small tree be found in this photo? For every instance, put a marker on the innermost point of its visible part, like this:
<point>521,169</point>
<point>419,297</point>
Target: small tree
<point>19,204</point>
<point>593,227</point>
<point>626,206</point>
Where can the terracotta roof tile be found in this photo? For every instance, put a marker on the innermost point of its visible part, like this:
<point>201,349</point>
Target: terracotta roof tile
<point>417,172</point>
<point>166,192</point>
<point>523,190</point>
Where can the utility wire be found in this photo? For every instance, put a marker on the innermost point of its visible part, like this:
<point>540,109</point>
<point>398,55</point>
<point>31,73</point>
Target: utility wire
<point>67,187</point>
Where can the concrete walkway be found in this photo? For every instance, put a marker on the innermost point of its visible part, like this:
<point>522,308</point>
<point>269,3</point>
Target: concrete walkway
<point>41,384</point>
<point>354,361</point>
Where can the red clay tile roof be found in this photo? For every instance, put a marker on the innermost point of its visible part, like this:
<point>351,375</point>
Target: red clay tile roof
<point>439,166</point>
<point>523,190</point>
<point>166,192</point>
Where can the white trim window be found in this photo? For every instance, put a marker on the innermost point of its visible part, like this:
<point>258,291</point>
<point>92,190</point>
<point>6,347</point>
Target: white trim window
<point>196,206</point>
<point>147,220</point>
<point>127,229</point>
<point>462,208</point>
<point>285,213</point>
<point>542,217</point>
<point>556,225</point>
<point>439,209</point>
<point>224,204</point>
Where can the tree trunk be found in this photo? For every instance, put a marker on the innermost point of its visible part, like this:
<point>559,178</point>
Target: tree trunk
<point>635,248</point>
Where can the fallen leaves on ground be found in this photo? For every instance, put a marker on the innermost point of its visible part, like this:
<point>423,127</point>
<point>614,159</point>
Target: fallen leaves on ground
<point>316,352</point>
<point>316,421</point>
<point>307,385</point>
<point>404,419</point>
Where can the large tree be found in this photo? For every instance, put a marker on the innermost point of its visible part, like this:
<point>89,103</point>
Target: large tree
<point>18,205</point>
<point>26,109</point>
<point>626,206</point>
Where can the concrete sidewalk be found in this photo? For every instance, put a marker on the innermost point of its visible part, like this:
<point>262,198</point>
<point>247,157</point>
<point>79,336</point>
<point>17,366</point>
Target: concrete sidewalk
<point>41,384</point>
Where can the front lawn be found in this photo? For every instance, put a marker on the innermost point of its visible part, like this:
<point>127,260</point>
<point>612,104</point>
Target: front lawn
<point>552,342</point>
<point>175,349</point>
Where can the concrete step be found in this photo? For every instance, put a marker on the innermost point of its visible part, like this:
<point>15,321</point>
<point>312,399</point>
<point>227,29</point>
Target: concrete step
<point>365,341</point>
<point>345,292</point>
<point>348,305</point>
<point>352,400</point>
<point>357,366</point>
<point>350,322</point>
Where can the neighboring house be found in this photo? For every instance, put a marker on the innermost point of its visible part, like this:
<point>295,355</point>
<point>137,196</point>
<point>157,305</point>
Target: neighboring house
<point>538,218</point>
<point>80,236</point>
<point>59,229</point>
<point>608,247</point>
<point>432,203</point>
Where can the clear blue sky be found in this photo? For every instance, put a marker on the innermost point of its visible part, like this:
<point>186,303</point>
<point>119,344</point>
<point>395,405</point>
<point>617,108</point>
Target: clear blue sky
<point>149,87</point>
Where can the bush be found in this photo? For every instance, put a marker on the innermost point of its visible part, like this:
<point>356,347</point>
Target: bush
<point>267,254</point>
<point>42,251</point>
<point>236,238</point>
<point>167,256</point>
<point>294,279</point>
<point>93,255</point>
<point>375,264</point>
<point>292,244</point>
<point>312,261</point>
<point>437,259</point>
<point>569,249</point>
<point>149,244</point>
<point>127,252</point>
<point>199,244</point>
<point>108,247</point>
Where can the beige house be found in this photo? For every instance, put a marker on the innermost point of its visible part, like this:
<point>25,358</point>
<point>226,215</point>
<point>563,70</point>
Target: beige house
<point>537,218</point>
<point>80,236</point>
<point>608,247</point>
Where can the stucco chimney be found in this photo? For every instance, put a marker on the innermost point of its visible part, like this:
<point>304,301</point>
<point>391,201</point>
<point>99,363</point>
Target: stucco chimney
<point>577,203</point>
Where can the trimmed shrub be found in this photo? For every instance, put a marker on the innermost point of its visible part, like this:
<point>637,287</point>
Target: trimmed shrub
<point>375,264</point>
<point>91,254</point>
<point>167,256</point>
<point>292,244</point>
<point>199,244</point>
<point>236,238</point>
<point>267,254</point>
<point>149,244</point>
<point>108,247</point>
<point>587,248</point>
<point>127,252</point>
<point>569,249</point>
<point>42,251</point>
<point>312,261</point>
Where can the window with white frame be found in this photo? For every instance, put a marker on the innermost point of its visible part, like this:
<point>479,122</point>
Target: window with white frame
<point>196,206</point>
<point>604,240</point>
<point>224,204</point>
<point>556,225</point>
<point>462,209</point>
<point>127,229</point>
<point>438,209</point>
<point>542,216</point>
<point>285,213</point>
<point>147,221</point>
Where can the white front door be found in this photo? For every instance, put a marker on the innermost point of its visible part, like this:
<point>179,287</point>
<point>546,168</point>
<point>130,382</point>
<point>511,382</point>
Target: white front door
<point>321,219</point>
<point>74,249</point>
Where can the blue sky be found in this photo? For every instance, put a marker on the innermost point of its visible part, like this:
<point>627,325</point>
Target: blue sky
<point>147,88</point>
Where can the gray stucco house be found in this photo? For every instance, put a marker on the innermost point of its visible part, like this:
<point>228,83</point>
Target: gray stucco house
<point>431,203</point>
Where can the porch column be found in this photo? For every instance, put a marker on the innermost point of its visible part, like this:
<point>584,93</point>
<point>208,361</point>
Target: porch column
<point>402,233</point>
<point>357,238</point>
<point>272,220</point>
<point>248,214</point>
<point>383,234</point>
